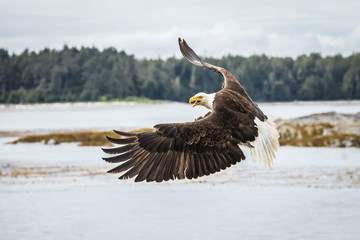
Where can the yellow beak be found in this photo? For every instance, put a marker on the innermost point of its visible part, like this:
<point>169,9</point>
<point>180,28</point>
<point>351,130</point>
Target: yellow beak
<point>195,100</point>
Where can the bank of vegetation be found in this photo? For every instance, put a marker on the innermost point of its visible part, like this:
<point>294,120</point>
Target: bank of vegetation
<point>88,74</point>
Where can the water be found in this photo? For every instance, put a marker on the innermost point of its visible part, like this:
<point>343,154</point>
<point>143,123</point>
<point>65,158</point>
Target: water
<point>56,167</point>
<point>105,117</point>
<point>181,212</point>
<point>132,116</point>
<point>62,191</point>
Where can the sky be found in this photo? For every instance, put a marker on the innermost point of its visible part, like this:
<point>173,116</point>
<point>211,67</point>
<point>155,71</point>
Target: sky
<point>150,29</point>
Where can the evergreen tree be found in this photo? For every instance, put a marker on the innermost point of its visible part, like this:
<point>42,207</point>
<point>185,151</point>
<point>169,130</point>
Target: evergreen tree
<point>87,74</point>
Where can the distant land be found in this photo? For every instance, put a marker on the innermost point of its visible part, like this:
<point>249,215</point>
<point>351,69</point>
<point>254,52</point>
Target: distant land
<point>88,74</point>
<point>317,130</point>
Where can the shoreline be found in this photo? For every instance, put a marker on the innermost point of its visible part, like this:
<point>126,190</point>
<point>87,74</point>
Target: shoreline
<point>78,105</point>
<point>316,130</point>
<point>154,102</point>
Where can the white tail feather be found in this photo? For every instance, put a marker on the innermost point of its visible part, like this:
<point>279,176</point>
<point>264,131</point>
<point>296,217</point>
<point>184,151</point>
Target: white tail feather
<point>266,143</point>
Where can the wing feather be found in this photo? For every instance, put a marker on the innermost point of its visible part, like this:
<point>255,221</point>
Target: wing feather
<point>219,161</point>
<point>211,164</point>
<point>126,134</point>
<point>140,162</point>
<point>198,167</point>
<point>162,168</point>
<point>121,140</point>
<point>120,149</point>
<point>125,166</point>
<point>191,170</point>
<point>154,168</point>
<point>144,172</point>
<point>170,160</point>
<point>203,164</point>
<point>119,158</point>
<point>182,163</point>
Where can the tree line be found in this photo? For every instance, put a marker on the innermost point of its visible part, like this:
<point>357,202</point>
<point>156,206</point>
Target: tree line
<point>88,74</point>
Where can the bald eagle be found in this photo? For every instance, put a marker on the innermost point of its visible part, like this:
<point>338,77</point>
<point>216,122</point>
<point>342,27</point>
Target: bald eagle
<point>205,146</point>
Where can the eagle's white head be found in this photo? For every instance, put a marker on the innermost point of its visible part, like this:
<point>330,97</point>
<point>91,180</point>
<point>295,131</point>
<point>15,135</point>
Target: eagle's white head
<point>204,99</point>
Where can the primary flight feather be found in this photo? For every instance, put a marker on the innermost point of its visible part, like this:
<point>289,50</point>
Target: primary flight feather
<point>205,146</point>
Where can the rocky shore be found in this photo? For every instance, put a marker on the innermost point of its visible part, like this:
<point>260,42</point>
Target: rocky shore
<point>321,130</point>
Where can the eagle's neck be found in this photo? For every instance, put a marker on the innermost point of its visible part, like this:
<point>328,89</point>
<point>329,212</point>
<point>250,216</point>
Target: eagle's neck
<point>210,100</point>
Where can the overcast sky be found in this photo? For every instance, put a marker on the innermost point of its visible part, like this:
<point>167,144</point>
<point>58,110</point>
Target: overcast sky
<point>213,28</point>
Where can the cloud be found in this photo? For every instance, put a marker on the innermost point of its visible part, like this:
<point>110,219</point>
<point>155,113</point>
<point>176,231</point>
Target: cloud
<point>305,43</point>
<point>279,28</point>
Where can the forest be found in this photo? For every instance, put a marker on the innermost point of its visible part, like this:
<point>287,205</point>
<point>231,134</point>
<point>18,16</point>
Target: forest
<point>90,74</point>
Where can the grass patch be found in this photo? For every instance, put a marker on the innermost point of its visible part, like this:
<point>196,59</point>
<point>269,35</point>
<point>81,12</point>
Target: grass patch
<point>84,138</point>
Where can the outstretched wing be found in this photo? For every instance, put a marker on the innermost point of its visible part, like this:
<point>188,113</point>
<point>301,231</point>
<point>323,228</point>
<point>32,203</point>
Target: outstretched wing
<point>192,57</point>
<point>174,151</point>
<point>189,54</point>
<point>231,84</point>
